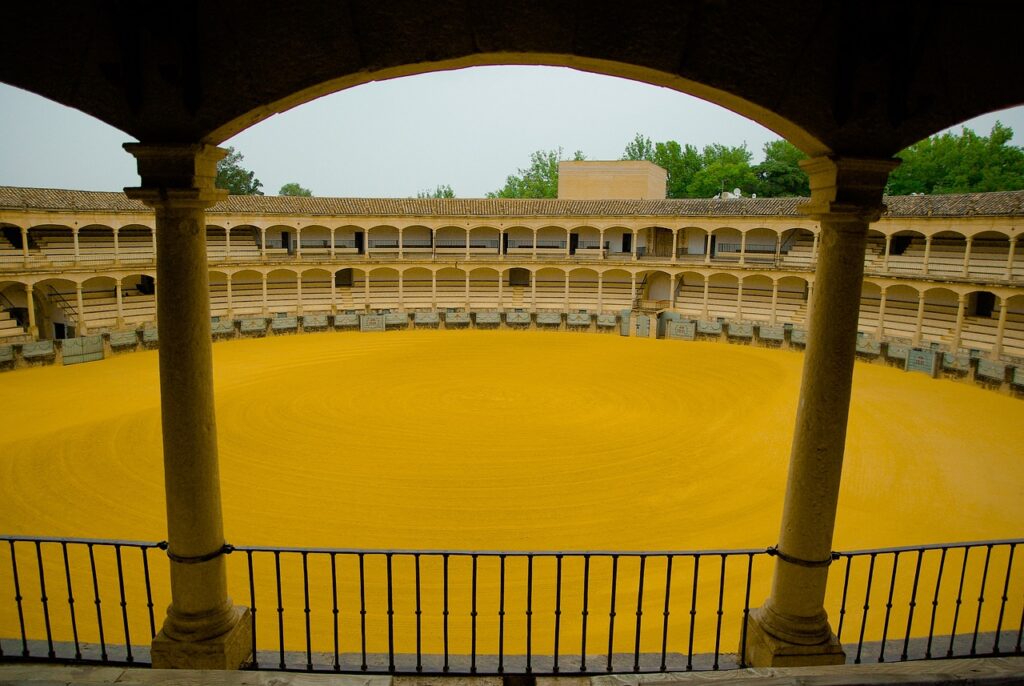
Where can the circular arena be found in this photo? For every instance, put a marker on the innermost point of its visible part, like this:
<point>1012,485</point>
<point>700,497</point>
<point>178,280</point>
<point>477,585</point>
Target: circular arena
<point>502,440</point>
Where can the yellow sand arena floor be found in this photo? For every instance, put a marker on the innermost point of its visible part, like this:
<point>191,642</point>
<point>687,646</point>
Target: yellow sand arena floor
<point>506,440</point>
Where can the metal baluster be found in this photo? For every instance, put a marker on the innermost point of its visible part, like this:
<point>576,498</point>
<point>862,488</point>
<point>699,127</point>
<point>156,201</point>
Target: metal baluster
<point>913,604</point>
<point>639,613</point>
<point>252,608</point>
<point>391,618</point>
<point>305,609</point>
<point>17,600</point>
<point>149,590</point>
<point>529,613</point>
<point>1002,606</point>
<point>472,614</point>
<point>611,610</point>
<point>558,607</point>
<point>959,600</point>
<point>501,617</point>
<point>334,610</point>
<point>96,598</point>
<point>280,608</point>
<point>445,612</point>
<point>746,611</point>
<point>718,627</point>
<point>664,626</point>
<point>362,610</point>
<point>867,606</point>
<point>842,603</point>
<point>981,598</point>
<point>888,606</point>
<point>419,615</point>
<point>693,613</point>
<point>935,604</point>
<point>46,608</point>
<point>586,599</point>
<point>71,599</point>
<point>124,603</point>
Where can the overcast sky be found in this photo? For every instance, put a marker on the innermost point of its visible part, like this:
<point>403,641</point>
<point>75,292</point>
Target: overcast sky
<point>468,128</point>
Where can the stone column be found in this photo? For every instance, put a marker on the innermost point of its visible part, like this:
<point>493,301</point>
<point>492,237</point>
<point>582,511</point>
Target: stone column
<point>334,292</point>
<point>885,257</point>
<point>707,286</point>
<point>366,291</point>
<point>266,305</point>
<point>298,242</point>
<point>535,244</point>
<point>298,295</point>
<point>919,323</point>
<point>632,291</point>
<point>568,241</point>
<point>467,243</point>
<point>635,246</point>
<point>533,290</point>
<point>600,292</point>
<point>117,245</point>
<point>24,245</point>
<point>672,291</point>
<point>600,244</point>
<point>30,304</point>
<point>814,246</point>
<point>675,244</point>
<point>227,243</point>
<point>791,628</point>
<point>332,253</point>
<point>739,299</point>
<point>967,257</point>
<point>117,296</point>
<point>927,254</point>
<point>467,289</point>
<point>997,347</point>
<point>401,291</point>
<point>156,300</point>
<point>263,244</point>
<point>231,304</point>
<point>203,629</point>
<point>707,247</point>
<point>880,332</point>
<point>567,291</point>
<point>499,289</point>
<point>83,328</point>
<point>775,302</point>
<point>366,244</point>
<point>1009,257</point>
<point>74,238</point>
<point>743,248</point>
<point>433,289</point>
<point>778,248</point>
<point>401,243</point>
<point>961,306</point>
<point>501,253</point>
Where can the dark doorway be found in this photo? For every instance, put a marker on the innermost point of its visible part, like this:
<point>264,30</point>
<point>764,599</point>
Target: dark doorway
<point>359,242</point>
<point>627,242</point>
<point>712,242</point>
<point>574,243</point>
<point>517,276</point>
<point>343,278</point>
<point>504,244</point>
<point>286,241</point>
<point>984,303</point>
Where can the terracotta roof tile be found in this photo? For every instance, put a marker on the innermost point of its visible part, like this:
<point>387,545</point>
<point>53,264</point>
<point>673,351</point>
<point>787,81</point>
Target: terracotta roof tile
<point>1006,203</point>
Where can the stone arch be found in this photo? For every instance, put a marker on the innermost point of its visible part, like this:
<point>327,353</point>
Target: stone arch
<point>756,303</point>
<point>583,289</point>
<point>282,290</point>
<point>247,292</point>
<point>383,283</point>
<point>316,290</point>
<point>451,287</point>
<point>57,304</point>
<point>483,287</point>
<point>549,288</point>
<point>416,293</point>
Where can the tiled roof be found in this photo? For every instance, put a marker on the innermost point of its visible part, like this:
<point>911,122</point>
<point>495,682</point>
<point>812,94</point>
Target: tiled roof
<point>1006,203</point>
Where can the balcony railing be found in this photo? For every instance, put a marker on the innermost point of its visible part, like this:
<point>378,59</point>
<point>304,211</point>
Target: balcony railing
<point>492,612</point>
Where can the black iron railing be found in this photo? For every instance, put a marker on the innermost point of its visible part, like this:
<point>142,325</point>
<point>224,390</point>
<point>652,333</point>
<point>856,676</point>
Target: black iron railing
<point>514,612</point>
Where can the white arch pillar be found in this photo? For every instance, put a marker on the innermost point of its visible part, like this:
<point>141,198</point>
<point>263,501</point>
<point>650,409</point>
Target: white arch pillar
<point>961,306</point>
<point>997,348</point>
<point>919,322</point>
<point>30,304</point>
<point>74,238</point>
<point>1010,257</point>
<point>967,256</point>
<point>927,254</point>
<point>117,298</point>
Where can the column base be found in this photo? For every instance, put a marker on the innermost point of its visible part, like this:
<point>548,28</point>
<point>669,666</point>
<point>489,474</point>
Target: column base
<point>231,650</point>
<point>766,650</point>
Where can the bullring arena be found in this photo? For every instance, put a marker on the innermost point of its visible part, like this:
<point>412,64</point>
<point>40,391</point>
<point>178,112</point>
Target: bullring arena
<point>405,387</point>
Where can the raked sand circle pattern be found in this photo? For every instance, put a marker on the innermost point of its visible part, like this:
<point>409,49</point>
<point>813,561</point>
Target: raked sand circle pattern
<point>504,440</point>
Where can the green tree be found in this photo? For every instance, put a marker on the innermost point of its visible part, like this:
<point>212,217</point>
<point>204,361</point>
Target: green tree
<point>640,148</point>
<point>295,189</point>
<point>539,180</point>
<point>960,163</point>
<point>238,180</point>
<point>780,175</point>
<point>723,168</point>
<point>680,162</point>
<point>441,191</point>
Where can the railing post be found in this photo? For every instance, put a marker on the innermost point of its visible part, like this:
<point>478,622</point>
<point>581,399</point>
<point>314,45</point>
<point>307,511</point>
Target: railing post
<point>791,628</point>
<point>203,629</point>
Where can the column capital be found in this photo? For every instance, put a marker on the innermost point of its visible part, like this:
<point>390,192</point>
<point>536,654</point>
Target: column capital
<point>846,189</point>
<point>177,175</point>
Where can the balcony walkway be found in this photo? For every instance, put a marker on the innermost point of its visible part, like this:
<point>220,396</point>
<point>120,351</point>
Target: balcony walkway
<point>979,671</point>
